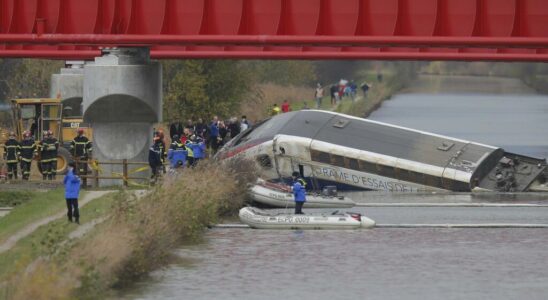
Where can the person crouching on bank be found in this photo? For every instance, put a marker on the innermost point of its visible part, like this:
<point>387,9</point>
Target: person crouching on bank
<point>299,192</point>
<point>72,189</point>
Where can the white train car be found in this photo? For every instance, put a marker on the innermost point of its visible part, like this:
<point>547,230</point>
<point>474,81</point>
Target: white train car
<point>328,148</point>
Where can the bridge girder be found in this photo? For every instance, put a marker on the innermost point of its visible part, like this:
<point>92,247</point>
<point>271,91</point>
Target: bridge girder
<point>506,30</point>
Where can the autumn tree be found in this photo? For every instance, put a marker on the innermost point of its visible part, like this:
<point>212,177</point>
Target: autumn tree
<point>203,88</point>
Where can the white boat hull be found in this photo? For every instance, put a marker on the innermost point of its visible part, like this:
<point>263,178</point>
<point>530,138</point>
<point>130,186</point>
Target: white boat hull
<point>277,198</point>
<point>260,219</point>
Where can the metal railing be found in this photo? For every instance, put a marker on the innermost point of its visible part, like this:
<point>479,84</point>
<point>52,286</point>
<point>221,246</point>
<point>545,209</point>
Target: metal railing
<point>98,173</point>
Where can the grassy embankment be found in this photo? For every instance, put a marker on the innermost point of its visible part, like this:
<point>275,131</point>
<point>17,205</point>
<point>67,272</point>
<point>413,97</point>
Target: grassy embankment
<point>273,93</point>
<point>298,95</point>
<point>378,92</point>
<point>136,237</point>
<point>28,207</point>
<point>47,239</point>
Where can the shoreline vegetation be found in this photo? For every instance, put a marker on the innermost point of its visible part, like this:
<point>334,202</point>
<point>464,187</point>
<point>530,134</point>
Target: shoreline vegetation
<point>131,237</point>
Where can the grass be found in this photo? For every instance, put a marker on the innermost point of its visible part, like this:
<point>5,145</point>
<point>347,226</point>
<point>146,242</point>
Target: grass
<point>14,198</point>
<point>47,239</point>
<point>37,205</point>
<point>379,92</point>
<point>137,237</point>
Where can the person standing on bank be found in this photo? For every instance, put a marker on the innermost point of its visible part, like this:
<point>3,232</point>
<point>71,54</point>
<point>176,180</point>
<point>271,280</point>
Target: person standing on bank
<point>72,189</point>
<point>299,192</point>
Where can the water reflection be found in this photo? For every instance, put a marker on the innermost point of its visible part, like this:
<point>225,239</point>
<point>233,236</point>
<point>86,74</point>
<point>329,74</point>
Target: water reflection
<point>371,264</point>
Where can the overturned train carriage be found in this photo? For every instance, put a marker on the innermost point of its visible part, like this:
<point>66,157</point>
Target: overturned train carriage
<point>356,153</point>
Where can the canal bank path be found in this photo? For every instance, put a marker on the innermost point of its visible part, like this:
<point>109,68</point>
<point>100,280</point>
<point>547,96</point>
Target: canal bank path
<point>29,229</point>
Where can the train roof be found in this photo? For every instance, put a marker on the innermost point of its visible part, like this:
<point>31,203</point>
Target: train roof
<point>372,136</point>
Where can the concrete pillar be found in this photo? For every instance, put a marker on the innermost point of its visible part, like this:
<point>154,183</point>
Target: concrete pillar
<point>122,101</point>
<point>68,85</point>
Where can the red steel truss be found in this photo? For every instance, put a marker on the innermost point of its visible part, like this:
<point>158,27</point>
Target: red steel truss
<point>504,30</point>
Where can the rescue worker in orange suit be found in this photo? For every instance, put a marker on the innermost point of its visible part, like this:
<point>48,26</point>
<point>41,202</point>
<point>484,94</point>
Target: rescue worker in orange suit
<point>28,149</point>
<point>299,192</point>
<point>48,155</point>
<point>80,148</point>
<point>12,150</point>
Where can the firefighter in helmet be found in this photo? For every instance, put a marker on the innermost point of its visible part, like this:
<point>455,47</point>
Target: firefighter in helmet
<point>12,150</point>
<point>80,148</point>
<point>48,155</point>
<point>28,149</point>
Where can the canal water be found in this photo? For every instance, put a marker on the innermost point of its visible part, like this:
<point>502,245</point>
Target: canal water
<point>394,263</point>
<point>515,122</point>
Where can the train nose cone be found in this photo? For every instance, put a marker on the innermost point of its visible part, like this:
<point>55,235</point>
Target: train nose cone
<point>367,223</point>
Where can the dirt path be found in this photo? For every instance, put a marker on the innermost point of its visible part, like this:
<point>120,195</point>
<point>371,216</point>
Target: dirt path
<point>85,228</point>
<point>27,230</point>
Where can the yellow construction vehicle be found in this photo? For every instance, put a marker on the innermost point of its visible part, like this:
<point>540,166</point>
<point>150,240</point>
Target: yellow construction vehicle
<point>39,114</point>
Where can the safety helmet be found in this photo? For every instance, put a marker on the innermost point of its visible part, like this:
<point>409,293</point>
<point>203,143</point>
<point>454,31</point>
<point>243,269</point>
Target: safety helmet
<point>12,134</point>
<point>80,130</point>
<point>45,132</point>
<point>193,137</point>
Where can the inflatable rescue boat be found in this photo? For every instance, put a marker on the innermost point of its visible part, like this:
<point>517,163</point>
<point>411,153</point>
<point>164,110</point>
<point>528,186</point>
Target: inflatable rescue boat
<point>261,219</point>
<point>277,195</point>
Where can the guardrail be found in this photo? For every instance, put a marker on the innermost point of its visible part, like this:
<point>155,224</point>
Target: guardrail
<point>97,172</point>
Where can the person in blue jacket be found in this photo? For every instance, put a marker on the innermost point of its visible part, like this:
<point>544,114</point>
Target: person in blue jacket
<point>72,189</point>
<point>299,192</point>
<point>198,148</point>
<point>177,153</point>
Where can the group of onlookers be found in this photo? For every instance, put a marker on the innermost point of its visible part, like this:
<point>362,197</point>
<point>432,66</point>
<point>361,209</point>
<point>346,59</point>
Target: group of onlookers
<point>189,143</point>
<point>276,110</point>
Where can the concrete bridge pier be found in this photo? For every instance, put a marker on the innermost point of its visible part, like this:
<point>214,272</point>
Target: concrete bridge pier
<point>122,101</point>
<point>68,85</point>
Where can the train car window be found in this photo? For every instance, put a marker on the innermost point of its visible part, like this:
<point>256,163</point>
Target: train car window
<point>416,177</point>
<point>351,163</point>
<point>386,170</point>
<point>367,167</point>
<point>434,181</point>
<point>265,161</point>
<point>337,160</point>
<point>320,156</point>
<point>403,174</point>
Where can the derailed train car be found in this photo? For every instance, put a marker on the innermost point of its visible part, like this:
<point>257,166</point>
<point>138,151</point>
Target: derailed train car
<point>353,153</point>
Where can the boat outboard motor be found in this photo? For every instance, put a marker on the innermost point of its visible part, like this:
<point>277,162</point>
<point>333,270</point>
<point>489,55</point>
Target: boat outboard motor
<point>329,191</point>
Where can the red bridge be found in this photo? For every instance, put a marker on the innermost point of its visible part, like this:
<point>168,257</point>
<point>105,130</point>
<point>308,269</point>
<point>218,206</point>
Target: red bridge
<point>504,30</point>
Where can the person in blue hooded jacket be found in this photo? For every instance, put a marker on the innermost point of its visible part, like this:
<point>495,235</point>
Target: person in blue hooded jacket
<point>72,189</point>
<point>177,153</point>
<point>299,192</point>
